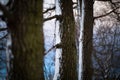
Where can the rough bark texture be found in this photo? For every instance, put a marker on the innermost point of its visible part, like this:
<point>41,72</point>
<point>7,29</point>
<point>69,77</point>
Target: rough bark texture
<point>68,68</point>
<point>27,39</point>
<point>87,39</point>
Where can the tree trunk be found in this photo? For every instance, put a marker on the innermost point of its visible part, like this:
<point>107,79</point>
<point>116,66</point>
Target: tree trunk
<point>87,19</point>
<point>27,39</point>
<point>68,68</point>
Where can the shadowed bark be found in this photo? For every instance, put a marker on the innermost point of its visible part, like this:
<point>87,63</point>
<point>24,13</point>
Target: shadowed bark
<point>27,38</point>
<point>68,68</point>
<point>87,39</point>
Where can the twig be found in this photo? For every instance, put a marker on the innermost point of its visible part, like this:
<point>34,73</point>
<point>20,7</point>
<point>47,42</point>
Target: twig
<point>106,13</point>
<point>59,45</point>
<point>4,36</point>
<point>49,9</point>
<point>3,29</point>
<point>53,17</point>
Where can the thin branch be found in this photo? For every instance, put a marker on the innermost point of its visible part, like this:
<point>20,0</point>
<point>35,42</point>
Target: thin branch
<point>49,9</point>
<point>3,29</point>
<point>117,2</point>
<point>75,6</point>
<point>53,17</point>
<point>4,36</point>
<point>75,3</point>
<point>106,13</point>
<point>59,45</point>
<point>103,0</point>
<point>50,50</point>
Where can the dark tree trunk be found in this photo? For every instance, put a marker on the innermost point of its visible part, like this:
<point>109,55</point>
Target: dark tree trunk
<point>68,68</point>
<point>87,39</point>
<point>27,39</point>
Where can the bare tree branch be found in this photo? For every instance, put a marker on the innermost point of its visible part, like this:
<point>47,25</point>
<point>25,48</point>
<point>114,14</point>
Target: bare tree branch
<point>49,9</point>
<point>53,17</point>
<point>59,45</point>
<point>106,13</point>
<point>4,36</point>
<point>103,0</point>
<point>3,29</point>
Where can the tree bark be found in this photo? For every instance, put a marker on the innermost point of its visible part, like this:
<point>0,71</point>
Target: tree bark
<point>87,39</point>
<point>27,39</point>
<point>68,68</point>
